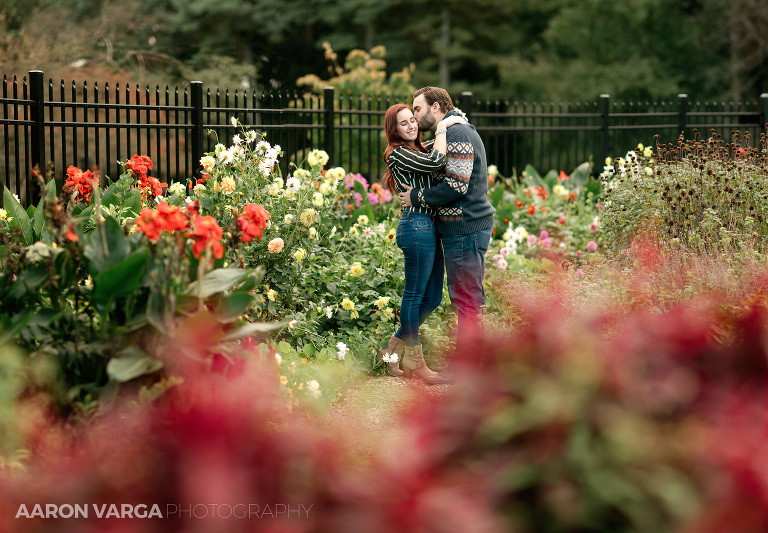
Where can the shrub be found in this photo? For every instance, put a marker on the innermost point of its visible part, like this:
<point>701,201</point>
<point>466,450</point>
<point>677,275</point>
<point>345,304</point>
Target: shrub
<point>706,195</point>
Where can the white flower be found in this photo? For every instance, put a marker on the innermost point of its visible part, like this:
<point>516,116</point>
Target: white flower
<point>278,358</point>
<point>504,251</point>
<point>390,357</point>
<point>329,311</point>
<point>159,199</point>
<point>219,148</point>
<point>176,188</point>
<point>233,121</point>
<point>237,140</point>
<point>333,232</point>
<point>293,184</point>
<point>343,350</point>
<point>292,324</point>
<point>501,264</point>
<point>250,136</point>
<point>313,387</point>
<point>493,171</point>
<point>317,199</point>
<point>367,232</point>
<point>199,187</point>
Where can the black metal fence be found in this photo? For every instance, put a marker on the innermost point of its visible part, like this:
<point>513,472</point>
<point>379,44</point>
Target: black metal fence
<point>93,128</point>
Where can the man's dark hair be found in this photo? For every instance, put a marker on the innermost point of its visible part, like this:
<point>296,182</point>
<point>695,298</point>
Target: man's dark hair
<point>436,94</point>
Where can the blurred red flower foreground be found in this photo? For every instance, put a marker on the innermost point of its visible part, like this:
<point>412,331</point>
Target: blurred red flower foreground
<point>576,421</point>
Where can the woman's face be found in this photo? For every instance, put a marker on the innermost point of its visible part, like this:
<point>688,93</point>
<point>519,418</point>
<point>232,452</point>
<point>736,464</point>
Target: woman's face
<point>407,127</point>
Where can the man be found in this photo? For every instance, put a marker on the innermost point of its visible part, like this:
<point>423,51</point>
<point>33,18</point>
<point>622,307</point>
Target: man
<point>465,216</point>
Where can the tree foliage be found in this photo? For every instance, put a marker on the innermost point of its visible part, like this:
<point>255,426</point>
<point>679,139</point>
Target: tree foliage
<point>545,49</point>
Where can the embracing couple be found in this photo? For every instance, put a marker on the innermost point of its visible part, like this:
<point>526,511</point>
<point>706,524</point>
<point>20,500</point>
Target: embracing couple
<point>446,221</point>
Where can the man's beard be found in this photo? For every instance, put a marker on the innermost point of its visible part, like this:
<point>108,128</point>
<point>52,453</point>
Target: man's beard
<point>427,122</point>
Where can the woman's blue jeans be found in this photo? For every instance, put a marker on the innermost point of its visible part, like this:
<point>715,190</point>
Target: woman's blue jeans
<point>419,240</point>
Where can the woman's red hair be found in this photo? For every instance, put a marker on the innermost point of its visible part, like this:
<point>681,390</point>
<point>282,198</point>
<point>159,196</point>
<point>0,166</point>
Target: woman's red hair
<point>394,141</point>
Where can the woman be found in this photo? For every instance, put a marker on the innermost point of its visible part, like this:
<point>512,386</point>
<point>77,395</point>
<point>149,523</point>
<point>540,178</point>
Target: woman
<point>410,163</point>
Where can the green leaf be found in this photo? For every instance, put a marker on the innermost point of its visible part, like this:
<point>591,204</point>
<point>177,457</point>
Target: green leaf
<point>111,233</point>
<point>532,175</point>
<point>156,311</point>
<point>233,306</point>
<point>38,221</point>
<point>252,329</point>
<point>20,217</point>
<point>496,194</point>
<point>131,363</point>
<point>218,280</point>
<point>120,280</point>
<point>579,176</point>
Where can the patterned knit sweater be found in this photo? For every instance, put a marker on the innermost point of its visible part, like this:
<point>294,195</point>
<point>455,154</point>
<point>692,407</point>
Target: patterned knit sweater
<point>462,198</point>
<point>417,170</point>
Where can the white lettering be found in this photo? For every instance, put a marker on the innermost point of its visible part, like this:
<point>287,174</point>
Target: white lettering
<point>251,512</point>
<point>155,511</point>
<point>268,511</point>
<point>297,511</point>
<point>235,509</point>
<point>37,510</point>
<point>307,509</point>
<point>204,508</point>
<point>113,511</point>
<point>99,512</point>
<point>51,511</point>
<point>22,511</point>
<point>126,511</point>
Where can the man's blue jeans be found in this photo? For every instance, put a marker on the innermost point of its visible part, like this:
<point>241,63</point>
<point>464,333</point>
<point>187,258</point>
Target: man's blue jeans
<point>465,267</point>
<point>417,237</point>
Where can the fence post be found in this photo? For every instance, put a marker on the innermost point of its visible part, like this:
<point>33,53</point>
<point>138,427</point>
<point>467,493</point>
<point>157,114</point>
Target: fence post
<point>329,133</point>
<point>466,104</point>
<point>605,117</point>
<point>764,99</point>
<point>196,97</point>
<point>37,130</point>
<point>682,110</point>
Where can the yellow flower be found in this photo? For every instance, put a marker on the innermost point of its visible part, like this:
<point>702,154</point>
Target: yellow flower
<point>308,217</point>
<point>336,173</point>
<point>288,219</point>
<point>299,255</point>
<point>354,314</point>
<point>382,302</point>
<point>317,199</point>
<point>356,270</point>
<point>325,188</point>
<point>648,171</point>
<point>228,185</point>
<point>648,152</point>
<point>283,380</point>
<point>363,220</point>
<point>301,173</point>
<point>312,233</point>
<point>347,304</point>
<point>3,214</point>
<point>207,162</point>
<point>272,295</point>
<point>317,158</point>
<point>640,146</point>
<point>391,235</point>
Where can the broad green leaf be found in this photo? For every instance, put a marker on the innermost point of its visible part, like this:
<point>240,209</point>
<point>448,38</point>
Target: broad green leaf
<point>218,280</point>
<point>117,247</point>
<point>38,221</point>
<point>130,364</point>
<point>233,306</point>
<point>252,329</point>
<point>20,219</point>
<point>579,176</point>
<point>156,311</point>
<point>17,324</point>
<point>120,280</point>
<point>496,194</point>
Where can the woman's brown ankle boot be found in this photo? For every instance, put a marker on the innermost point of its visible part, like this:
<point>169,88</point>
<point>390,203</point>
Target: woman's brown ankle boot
<point>395,346</point>
<point>414,364</point>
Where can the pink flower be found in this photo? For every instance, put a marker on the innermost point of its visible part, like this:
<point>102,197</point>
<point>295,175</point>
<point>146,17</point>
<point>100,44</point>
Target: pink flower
<point>373,198</point>
<point>580,273</point>
<point>531,239</point>
<point>543,235</point>
<point>593,226</point>
<point>358,199</point>
<point>275,245</point>
<point>546,242</point>
<point>591,246</point>
<point>561,221</point>
<point>579,253</point>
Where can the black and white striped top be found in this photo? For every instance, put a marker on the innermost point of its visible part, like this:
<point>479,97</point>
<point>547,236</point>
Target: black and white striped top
<point>416,169</point>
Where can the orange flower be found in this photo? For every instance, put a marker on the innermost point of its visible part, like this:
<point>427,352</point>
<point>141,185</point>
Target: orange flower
<point>82,182</point>
<point>139,164</point>
<point>71,235</point>
<point>252,221</point>
<point>172,217</point>
<point>519,204</point>
<point>206,231</point>
<point>563,176</point>
<point>150,224</point>
<point>531,209</point>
